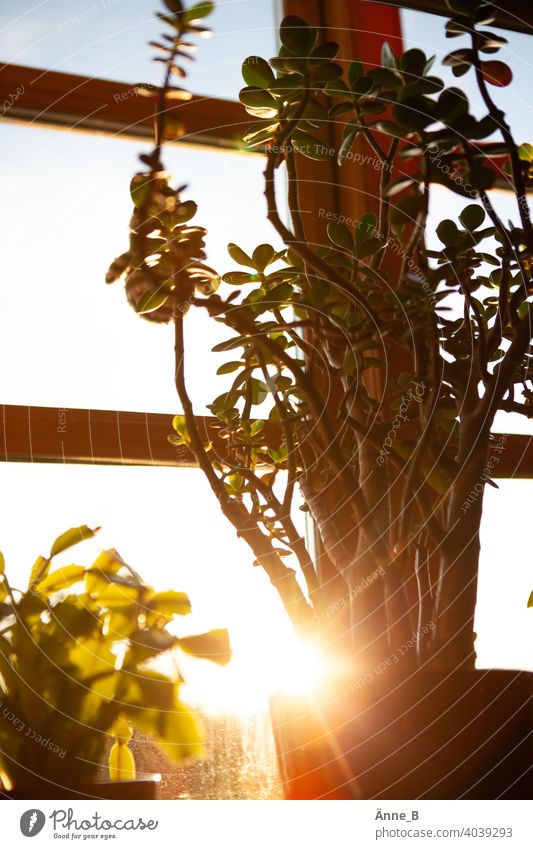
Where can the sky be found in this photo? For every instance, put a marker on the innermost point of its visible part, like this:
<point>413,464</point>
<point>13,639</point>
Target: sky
<point>108,39</point>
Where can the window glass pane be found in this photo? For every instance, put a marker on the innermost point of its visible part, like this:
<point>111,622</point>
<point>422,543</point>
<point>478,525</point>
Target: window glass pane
<point>446,204</point>
<point>67,339</point>
<point>157,519</point>
<point>108,38</point>
<point>504,624</point>
<point>426,31</point>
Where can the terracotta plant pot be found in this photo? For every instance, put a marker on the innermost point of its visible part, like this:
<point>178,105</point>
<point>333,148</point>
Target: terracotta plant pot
<point>139,789</point>
<point>462,735</point>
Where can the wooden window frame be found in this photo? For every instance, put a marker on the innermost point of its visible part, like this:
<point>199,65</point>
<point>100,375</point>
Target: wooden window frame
<point>69,101</point>
<point>87,104</point>
<point>518,15</point>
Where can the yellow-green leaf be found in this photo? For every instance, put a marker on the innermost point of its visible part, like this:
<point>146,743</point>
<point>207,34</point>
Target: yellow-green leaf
<point>96,663</point>
<point>111,595</point>
<point>170,603</point>
<point>108,561</point>
<point>180,737</point>
<point>122,730</point>
<point>61,578</point>
<point>214,645</point>
<point>152,300</point>
<point>72,537</point>
<point>39,570</point>
<point>238,255</point>
<point>140,188</point>
<point>121,763</point>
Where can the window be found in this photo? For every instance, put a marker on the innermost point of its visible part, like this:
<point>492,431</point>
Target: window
<point>90,402</point>
<point>72,189</point>
<point>427,32</point>
<point>502,618</point>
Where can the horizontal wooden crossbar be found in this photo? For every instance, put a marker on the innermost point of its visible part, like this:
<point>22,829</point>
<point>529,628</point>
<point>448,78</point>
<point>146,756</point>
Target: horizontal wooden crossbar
<point>60,435</point>
<point>81,103</point>
<point>57,434</point>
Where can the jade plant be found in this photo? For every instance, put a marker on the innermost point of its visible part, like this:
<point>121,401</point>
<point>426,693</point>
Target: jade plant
<point>78,668</point>
<point>390,461</point>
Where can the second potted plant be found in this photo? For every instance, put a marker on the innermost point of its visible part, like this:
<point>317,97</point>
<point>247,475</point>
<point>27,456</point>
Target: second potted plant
<point>78,673</point>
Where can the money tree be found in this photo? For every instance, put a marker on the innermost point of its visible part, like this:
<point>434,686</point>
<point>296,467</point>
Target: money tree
<point>391,461</point>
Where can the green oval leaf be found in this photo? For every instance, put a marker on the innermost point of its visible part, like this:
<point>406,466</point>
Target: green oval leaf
<point>259,99</point>
<point>355,72</point>
<point>525,152</point>
<point>263,256</point>
<point>413,62</point>
<point>185,211</point>
<point>199,11</point>
<point>325,52</point>
<point>257,72</point>
<point>229,368</point>
<point>472,217</point>
<point>238,278</point>
<point>340,236</point>
<point>140,188</point>
<point>326,73</point>
<point>151,301</point>
<point>297,36</point>
<point>368,248</point>
<point>351,131</point>
<point>310,147</point>
<point>239,256</point>
<point>448,233</point>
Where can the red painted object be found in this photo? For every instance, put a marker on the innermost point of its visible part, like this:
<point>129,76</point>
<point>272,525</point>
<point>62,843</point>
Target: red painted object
<point>462,735</point>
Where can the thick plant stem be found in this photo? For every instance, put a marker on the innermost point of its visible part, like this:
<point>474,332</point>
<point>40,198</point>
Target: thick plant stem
<point>457,584</point>
<point>457,601</point>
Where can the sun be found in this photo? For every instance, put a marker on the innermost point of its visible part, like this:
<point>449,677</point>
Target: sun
<point>285,664</point>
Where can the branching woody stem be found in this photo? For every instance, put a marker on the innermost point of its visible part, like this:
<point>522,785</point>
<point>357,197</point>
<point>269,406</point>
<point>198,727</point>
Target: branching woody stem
<point>303,251</point>
<point>281,577</point>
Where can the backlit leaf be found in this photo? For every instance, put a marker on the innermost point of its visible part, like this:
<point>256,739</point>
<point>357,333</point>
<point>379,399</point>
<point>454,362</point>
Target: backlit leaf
<point>257,72</point>
<point>214,645</point>
<point>121,763</point>
<point>170,603</point>
<point>61,578</point>
<point>297,36</point>
<point>340,236</point>
<point>72,537</point>
<point>497,73</point>
<point>151,300</point>
<point>239,256</point>
<point>262,256</point>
